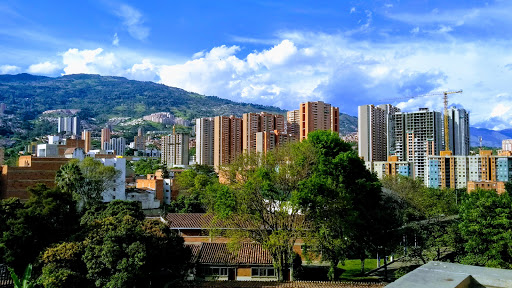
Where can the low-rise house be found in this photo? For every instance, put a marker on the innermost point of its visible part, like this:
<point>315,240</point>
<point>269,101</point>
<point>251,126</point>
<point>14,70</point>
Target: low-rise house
<point>215,261</point>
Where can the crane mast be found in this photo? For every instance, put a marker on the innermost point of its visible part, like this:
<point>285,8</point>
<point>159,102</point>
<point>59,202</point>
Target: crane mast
<point>446,132</point>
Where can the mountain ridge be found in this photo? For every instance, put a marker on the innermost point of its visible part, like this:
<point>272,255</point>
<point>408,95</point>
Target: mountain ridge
<point>102,97</point>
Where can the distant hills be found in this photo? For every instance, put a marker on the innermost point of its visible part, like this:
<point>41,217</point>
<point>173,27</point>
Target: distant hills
<point>103,97</point>
<point>490,138</point>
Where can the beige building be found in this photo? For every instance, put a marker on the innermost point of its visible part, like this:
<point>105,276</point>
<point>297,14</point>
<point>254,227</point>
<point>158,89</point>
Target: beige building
<point>105,137</point>
<point>269,140</point>
<point>175,150</point>
<point>86,136</point>
<point>318,116</point>
<point>227,139</point>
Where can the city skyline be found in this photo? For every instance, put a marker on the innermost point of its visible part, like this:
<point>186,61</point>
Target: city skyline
<point>276,53</point>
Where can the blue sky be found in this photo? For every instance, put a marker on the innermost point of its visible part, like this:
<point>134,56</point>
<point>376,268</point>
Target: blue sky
<point>281,53</point>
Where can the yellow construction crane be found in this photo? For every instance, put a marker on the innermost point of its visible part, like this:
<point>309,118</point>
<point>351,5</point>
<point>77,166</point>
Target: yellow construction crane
<point>445,101</point>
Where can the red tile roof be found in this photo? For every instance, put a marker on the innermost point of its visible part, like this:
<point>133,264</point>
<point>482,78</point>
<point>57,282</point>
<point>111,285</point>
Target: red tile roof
<point>188,220</point>
<point>219,253</point>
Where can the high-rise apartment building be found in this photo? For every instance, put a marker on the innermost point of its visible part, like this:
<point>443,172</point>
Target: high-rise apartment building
<point>293,123</point>
<point>375,131</point>
<point>253,123</point>
<point>318,116</point>
<point>139,141</point>
<point>105,138</point>
<point>417,135</point>
<point>86,136</point>
<point>458,127</point>
<point>69,125</point>
<point>227,139</point>
<point>204,141</point>
<point>118,145</point>
<point>175,150</point>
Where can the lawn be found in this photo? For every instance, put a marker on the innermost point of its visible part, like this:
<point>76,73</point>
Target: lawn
<point>353,268</point>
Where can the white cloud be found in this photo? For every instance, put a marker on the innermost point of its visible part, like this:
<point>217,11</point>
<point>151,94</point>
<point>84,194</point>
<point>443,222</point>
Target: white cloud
<point>329,67</point>
<point>115,40</point>
<point>144,71</point>
<point>91,62</point>
<point>133,22</point>
<point>9,69</point>
<point>45,68</point>
<point>352,10</point>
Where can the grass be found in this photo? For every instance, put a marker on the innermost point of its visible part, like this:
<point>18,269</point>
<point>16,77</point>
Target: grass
<point>353,269</point>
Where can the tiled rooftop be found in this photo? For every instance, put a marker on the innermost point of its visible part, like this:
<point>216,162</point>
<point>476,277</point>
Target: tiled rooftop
<point>188,220</point>
<point>5,277</point>
<point>219,253</point>
<point>294,284</point>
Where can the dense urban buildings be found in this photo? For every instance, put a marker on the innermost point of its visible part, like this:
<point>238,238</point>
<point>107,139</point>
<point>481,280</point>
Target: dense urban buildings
<point>160,117</point>
<point>412,143</point>
<point>118,145</point>
<point>139,143</point>
<point>253,123</point>
<point>86,136</point>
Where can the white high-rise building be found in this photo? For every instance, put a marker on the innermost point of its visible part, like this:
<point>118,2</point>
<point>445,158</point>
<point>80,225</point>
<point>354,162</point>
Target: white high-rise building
<point>417,135</point>
<point>376,132</point>
<point>118,145</point>
<point>175,150</point>
<point>204,141</point>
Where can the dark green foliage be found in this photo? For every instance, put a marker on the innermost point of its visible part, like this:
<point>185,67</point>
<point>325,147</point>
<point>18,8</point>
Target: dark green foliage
<point>49,216</point>
<point>197,190</point>
<point>486,229</point>
<point>343,200</point>
<point>427,216</point>
<point>117,247</point>
<point>146,166</point>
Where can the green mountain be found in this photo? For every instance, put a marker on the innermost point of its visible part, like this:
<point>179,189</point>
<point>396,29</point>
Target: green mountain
<point>103,97</point>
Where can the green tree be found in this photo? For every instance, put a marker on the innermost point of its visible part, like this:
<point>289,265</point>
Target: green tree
<point>486,229</point>
<point>87,180</point>
<point>146,166</point>
<point>343,201</point>
<point>117,247</point>
<point>49,216</point>
<point>428,217</point>
<point>259,202</point>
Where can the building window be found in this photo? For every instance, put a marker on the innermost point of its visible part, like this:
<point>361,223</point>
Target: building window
<point>216,271</point>
<point>263,272</point>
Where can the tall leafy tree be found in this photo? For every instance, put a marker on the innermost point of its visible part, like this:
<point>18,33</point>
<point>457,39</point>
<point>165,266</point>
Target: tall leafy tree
<point>486,229</point>
<point>87,180</point>
<point>343,201</point>
<point>259,204</point>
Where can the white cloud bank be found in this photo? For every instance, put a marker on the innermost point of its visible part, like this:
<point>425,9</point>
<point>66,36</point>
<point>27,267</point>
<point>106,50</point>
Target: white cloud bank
<point>9,69</point>
<point>45,68</point>
<point>332,68</point>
